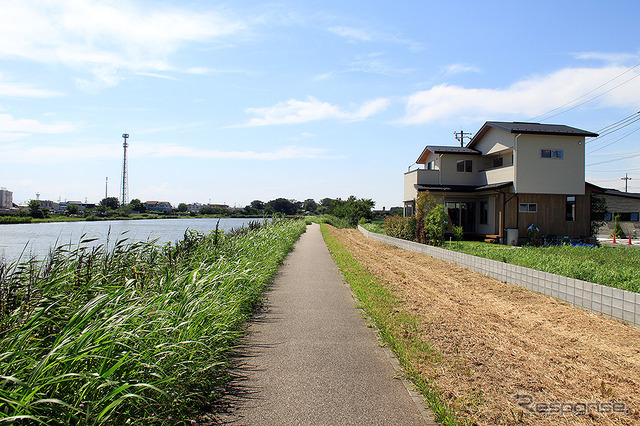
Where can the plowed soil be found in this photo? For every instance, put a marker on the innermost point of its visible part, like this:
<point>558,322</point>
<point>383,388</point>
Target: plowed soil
<point>510,356</point>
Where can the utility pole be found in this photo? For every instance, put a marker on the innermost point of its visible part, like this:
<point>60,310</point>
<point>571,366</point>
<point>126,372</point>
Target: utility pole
<point>626,180</point>
<point>106,186</point>
<point>460,136</point>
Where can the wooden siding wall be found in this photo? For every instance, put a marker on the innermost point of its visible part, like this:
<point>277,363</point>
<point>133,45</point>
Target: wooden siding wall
<point>622,204</point>
<point>551,215</point>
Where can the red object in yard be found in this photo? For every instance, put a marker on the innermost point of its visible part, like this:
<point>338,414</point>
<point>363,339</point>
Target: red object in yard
<point>629,239</point>
<point>614,238</point>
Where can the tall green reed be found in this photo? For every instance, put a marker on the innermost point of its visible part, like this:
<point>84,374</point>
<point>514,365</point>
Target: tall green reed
<point>138,333</point>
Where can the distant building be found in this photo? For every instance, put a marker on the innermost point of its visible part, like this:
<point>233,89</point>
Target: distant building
<point>158,206</point>
<point>6,198</point>
<point>624,204</point>
<point>218,206</point>
<point>62,207</point>
<point>194,207</point>
<point>51,206</point>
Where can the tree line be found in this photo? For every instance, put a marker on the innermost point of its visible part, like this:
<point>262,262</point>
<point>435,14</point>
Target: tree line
<point>352,209</point>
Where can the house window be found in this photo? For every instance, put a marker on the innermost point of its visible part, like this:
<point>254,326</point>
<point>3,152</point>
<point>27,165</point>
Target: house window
<point>408,211</point>
<point>484,213</point>
<point>627,217</point>
<point>497,162</point>
<point>571,209</point>
<point>464,166</point>
<point>431,165</point>
<point>551,153</point>
<point>528,207</point>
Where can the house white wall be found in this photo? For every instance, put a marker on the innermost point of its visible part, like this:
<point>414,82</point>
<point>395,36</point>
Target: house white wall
<point>537,175</point>
<point>450,175</point>
<point>495,141</point>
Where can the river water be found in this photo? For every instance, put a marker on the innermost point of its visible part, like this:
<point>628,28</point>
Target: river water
<point>36,239</point>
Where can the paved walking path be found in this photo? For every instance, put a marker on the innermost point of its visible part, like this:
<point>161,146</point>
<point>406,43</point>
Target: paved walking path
<point>312,360</point>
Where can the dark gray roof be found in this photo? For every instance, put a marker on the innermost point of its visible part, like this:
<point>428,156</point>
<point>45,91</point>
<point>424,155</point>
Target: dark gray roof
<point>616,193</point>
<point>613,192</point>
<point>538,128</point>
<point>441,149</point>
<point>451,150</point>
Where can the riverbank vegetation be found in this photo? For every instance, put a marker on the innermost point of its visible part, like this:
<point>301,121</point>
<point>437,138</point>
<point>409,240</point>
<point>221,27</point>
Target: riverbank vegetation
<point>138,334</point>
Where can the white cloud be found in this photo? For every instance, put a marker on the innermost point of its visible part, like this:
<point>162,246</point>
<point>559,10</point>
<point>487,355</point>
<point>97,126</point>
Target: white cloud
<point>285,153</point>
<point>105,38</point>
<point>363,35</point>
<point>295,112</point>
<point>609,57</point>
<point>23,90</point>
<point>373,63</point>
<point>460,68</point>
<point>530,97</point>
<point>12,129</point>
<point>351,33</point>
<point>45,154</point>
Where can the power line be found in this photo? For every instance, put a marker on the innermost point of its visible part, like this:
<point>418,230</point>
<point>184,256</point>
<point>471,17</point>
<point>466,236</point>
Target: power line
<point>615,159</point>
<point>595,97</point>
<point>610,171</point>
<point>588,93</point>
<point>612,128</point>
<point>617,140</point>
<point>606,128</point>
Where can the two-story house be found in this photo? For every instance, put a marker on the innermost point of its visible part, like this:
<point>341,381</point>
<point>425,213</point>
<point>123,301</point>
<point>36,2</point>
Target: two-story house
<point>509,176</point>
<point>158,206</point>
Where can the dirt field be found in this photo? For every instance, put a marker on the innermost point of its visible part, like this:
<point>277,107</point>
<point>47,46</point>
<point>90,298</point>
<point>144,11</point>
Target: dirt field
<point>511,356</point>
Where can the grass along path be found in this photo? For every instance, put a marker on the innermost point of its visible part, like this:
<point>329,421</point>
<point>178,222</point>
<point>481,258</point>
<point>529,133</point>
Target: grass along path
<point>140,334</point>
<point>398,329</point>
<point>499,345</point>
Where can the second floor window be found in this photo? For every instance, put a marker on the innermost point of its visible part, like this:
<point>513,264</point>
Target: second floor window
<point>551,153</point>
<point>465,166</point>
<point>498,162</point>
<point>431,165</point>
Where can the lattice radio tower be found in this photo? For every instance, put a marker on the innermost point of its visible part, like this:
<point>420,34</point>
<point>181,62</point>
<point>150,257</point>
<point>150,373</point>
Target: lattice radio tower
<point>124,190</point>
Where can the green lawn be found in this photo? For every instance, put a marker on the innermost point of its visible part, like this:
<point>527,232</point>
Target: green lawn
<point>611,266</point>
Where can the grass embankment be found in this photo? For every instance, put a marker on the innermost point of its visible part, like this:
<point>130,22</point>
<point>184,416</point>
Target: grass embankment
<point>617,267</point>
<point>334,221</point>
<point>398,329</point>
<point>140,334</point>
<point>611,266</point>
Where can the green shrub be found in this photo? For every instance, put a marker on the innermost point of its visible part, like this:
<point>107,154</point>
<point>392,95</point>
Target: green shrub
<point>458,233</point>
<point>400,227</point>
<point>435,225</point>
<point>617,228</point>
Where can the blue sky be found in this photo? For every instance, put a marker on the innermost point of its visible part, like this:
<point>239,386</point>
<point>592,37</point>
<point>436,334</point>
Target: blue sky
<point>236,101</point>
